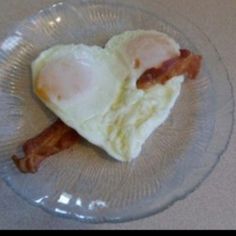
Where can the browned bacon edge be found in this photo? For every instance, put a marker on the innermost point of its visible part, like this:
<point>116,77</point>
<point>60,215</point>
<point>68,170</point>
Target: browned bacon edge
<point>186,63</point>
<point>54,139</point>
<point>59,137</point>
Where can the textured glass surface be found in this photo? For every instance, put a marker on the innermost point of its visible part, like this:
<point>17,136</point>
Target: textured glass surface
<point>83,182</point>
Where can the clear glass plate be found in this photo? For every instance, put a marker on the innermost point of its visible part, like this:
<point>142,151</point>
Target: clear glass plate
<point>83,182</point>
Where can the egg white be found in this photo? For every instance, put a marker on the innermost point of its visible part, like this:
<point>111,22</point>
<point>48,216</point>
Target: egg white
<point>92,65</point>
<point>109,110</point>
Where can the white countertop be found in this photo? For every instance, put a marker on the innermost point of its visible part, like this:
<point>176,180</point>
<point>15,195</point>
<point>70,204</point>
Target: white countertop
<point>212,205</point>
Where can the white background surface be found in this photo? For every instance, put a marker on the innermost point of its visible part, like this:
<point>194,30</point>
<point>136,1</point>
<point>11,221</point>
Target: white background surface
<point>213,204</point>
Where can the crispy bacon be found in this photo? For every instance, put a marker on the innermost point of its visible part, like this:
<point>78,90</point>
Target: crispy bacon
<point>59,137</point>
<point>187,63</point>
<point>54,139</point>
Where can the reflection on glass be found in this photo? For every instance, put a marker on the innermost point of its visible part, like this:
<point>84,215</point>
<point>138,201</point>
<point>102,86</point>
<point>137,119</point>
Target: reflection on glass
<point>51,23</point>
<point>57,4</point>
<point>97,204</point>
<point>58,19</point>
<point>64,198</point>
<point>80,216</point>
<point>10,43</point>
<point>60,211</point>
<point>78,202</point>
<point>41,199</point>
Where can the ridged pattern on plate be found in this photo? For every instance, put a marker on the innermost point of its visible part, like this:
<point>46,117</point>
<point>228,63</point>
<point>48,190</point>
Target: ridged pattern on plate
<point>84,182</point>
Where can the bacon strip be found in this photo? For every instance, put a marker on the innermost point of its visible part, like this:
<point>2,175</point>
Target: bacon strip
<point>54,139</point>
<point>187,63</point>
<point>59,137</point>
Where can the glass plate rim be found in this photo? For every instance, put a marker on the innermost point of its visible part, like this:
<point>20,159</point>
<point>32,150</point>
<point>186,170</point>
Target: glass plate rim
<point>219,155</point>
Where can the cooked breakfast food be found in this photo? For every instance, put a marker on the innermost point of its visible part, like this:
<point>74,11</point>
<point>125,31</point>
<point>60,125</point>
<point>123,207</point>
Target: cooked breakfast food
<point>54,139</point>
<point>114,97</point>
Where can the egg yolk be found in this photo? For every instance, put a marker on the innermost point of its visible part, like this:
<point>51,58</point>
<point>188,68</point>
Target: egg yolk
<point>63,79</point>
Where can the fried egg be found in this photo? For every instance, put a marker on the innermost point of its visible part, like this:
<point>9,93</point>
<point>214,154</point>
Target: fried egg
<point>141,50</point>
<point>93,89</point>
